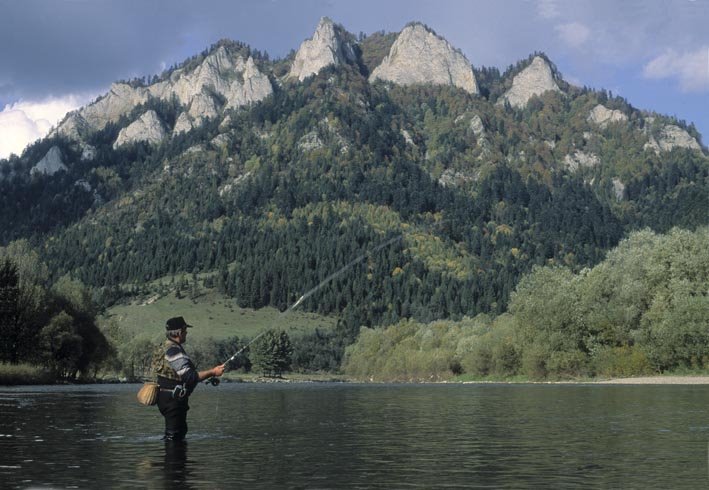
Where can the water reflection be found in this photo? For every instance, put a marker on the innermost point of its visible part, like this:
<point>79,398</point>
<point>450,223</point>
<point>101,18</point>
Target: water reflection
<point>355,436</point>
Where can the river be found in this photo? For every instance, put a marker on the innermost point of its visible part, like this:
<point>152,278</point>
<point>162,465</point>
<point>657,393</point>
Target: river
<point>328,435</point>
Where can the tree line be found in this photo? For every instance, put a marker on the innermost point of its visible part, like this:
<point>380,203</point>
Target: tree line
<point>642,310</point>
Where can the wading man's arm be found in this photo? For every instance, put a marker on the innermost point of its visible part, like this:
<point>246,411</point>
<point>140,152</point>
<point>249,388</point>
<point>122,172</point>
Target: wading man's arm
<point>210,373</point>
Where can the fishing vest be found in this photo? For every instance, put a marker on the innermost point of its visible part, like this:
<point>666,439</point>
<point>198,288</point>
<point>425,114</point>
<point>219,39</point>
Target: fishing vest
<point>161,367</point>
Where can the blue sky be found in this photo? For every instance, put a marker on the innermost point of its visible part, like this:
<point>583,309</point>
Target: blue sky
<point>58,54</point>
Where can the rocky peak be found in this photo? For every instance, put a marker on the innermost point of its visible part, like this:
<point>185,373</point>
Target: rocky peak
<point>239,81</point>
<point>255,86</point>
<point>73,127</point>
<point>148,128</point>
<point>602,116</point>
<point>536,79</point>
<point>120,100</point>
<point>326,47</point>
<point>50,164</point>
<point>672,136</point>
<point>419,56</point>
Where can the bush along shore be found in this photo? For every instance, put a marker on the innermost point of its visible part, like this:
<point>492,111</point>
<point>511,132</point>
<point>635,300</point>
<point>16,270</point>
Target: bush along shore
<point>25,374</point>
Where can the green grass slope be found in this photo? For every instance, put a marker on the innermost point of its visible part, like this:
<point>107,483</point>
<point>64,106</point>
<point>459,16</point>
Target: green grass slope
<point>212,315</point>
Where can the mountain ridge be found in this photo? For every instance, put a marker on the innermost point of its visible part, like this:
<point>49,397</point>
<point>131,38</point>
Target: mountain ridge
<point>274,194</point>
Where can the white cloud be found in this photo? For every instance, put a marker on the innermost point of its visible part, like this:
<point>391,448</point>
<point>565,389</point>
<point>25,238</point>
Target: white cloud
<point>574,33</point>
<point>548,9</point>
<point>690,69</point>
<point>24,122</point>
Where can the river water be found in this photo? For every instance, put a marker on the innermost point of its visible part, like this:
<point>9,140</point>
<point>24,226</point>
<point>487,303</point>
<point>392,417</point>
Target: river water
<point>360,436</point>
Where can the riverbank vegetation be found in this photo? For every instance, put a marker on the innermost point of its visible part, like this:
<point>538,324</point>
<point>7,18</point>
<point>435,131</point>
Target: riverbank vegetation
<point>50,324</point>
<point>642,310</point>
<point>25,374</point>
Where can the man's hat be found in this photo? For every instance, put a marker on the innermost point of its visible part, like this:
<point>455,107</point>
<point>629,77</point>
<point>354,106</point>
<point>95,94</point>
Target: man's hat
<point>176,323</point>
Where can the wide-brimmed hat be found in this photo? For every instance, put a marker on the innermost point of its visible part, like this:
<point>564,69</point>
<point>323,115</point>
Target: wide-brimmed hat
<point>176,323</point>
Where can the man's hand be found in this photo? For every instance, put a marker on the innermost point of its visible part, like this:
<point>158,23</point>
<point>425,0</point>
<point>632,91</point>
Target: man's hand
<point>218,370</point>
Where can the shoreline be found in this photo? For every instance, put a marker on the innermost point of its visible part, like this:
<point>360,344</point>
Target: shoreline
<point>641,380</point>
<point>657,380</point>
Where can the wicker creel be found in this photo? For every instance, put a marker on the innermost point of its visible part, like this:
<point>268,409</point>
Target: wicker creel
<point>148,394</point>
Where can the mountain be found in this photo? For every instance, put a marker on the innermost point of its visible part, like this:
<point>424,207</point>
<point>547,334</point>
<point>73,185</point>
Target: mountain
<point>536,79</point>
<point>419,56</point>
<point>329,46</point>
<point>264,177</point>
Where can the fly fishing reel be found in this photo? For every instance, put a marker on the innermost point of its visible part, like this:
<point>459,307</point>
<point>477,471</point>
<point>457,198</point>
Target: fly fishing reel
<point>214,381</point>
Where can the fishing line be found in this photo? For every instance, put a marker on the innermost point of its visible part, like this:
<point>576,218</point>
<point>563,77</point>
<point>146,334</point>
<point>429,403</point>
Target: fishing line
<point>215,381</point>
<point>318,287</point>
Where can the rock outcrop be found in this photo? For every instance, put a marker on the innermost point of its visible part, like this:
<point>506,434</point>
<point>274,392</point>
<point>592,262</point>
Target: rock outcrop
<point>183,124</point>
<point>618,189</point>
<point>328,46</point>
<point>239,81</point>
<point>602,116</point>
<point>50,164</point>
<point>255,86</point>
<point>419,56</point>
<point>581,159</point>
<point>148,128</point>
<point>88,152</point>
<point>670,137</point>
<point>236,79</point>
<point>477,126</point>
<point>120,100</point>
<point>74,127</point>
<point>536,79</point>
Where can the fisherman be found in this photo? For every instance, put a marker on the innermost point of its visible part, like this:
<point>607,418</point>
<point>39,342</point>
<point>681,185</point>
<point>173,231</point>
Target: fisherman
<point>177,378</point>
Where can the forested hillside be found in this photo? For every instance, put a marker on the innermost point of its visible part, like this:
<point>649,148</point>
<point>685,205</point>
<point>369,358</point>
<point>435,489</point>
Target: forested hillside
<point>275,195</point>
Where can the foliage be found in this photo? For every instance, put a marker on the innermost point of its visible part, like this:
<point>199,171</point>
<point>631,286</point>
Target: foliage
<point>54,325</point>
<point>24,374</point>
<point>271,353</point>
<point>644,309</point>
<point>61,345</point>
<point>407,351</point>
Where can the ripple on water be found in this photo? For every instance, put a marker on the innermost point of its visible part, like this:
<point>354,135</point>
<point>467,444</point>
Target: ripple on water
<point>362,437</point>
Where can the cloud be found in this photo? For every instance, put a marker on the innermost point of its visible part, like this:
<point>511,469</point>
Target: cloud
<point>574,33</point>
<point>690,69</point>
<point>24,122</point>
<point>548,9</point>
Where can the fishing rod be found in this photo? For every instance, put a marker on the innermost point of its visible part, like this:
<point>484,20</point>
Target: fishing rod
<point>215,381</point>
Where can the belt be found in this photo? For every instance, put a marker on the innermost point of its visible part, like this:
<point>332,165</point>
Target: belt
<point>167,383</point>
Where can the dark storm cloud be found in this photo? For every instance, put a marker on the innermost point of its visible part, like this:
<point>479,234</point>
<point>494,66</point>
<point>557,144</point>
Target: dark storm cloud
<point>54,47</point>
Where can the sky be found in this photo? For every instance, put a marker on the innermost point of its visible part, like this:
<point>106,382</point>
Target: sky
<point>56,55</point>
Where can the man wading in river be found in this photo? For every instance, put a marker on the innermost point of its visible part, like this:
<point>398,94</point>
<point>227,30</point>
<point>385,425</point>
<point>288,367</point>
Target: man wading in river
<point>177,377</point>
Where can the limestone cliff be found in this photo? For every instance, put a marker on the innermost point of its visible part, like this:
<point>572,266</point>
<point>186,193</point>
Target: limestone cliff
<point>255,86</point>
<point>236,79</point>
<point>672,136</point>
<point>536,79</point>
<point>602,116</point>
<point>120,100</point>
<point>419,56</point>
<point>183,124</point>
<point>581,159</point>
<point>328,46</point>
<point>50,164</point>
<point>147,128</point>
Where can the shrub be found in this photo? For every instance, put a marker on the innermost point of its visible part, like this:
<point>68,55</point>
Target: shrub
<point>24,374</point>
<point>534,361</point>
<point>622,361</point>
